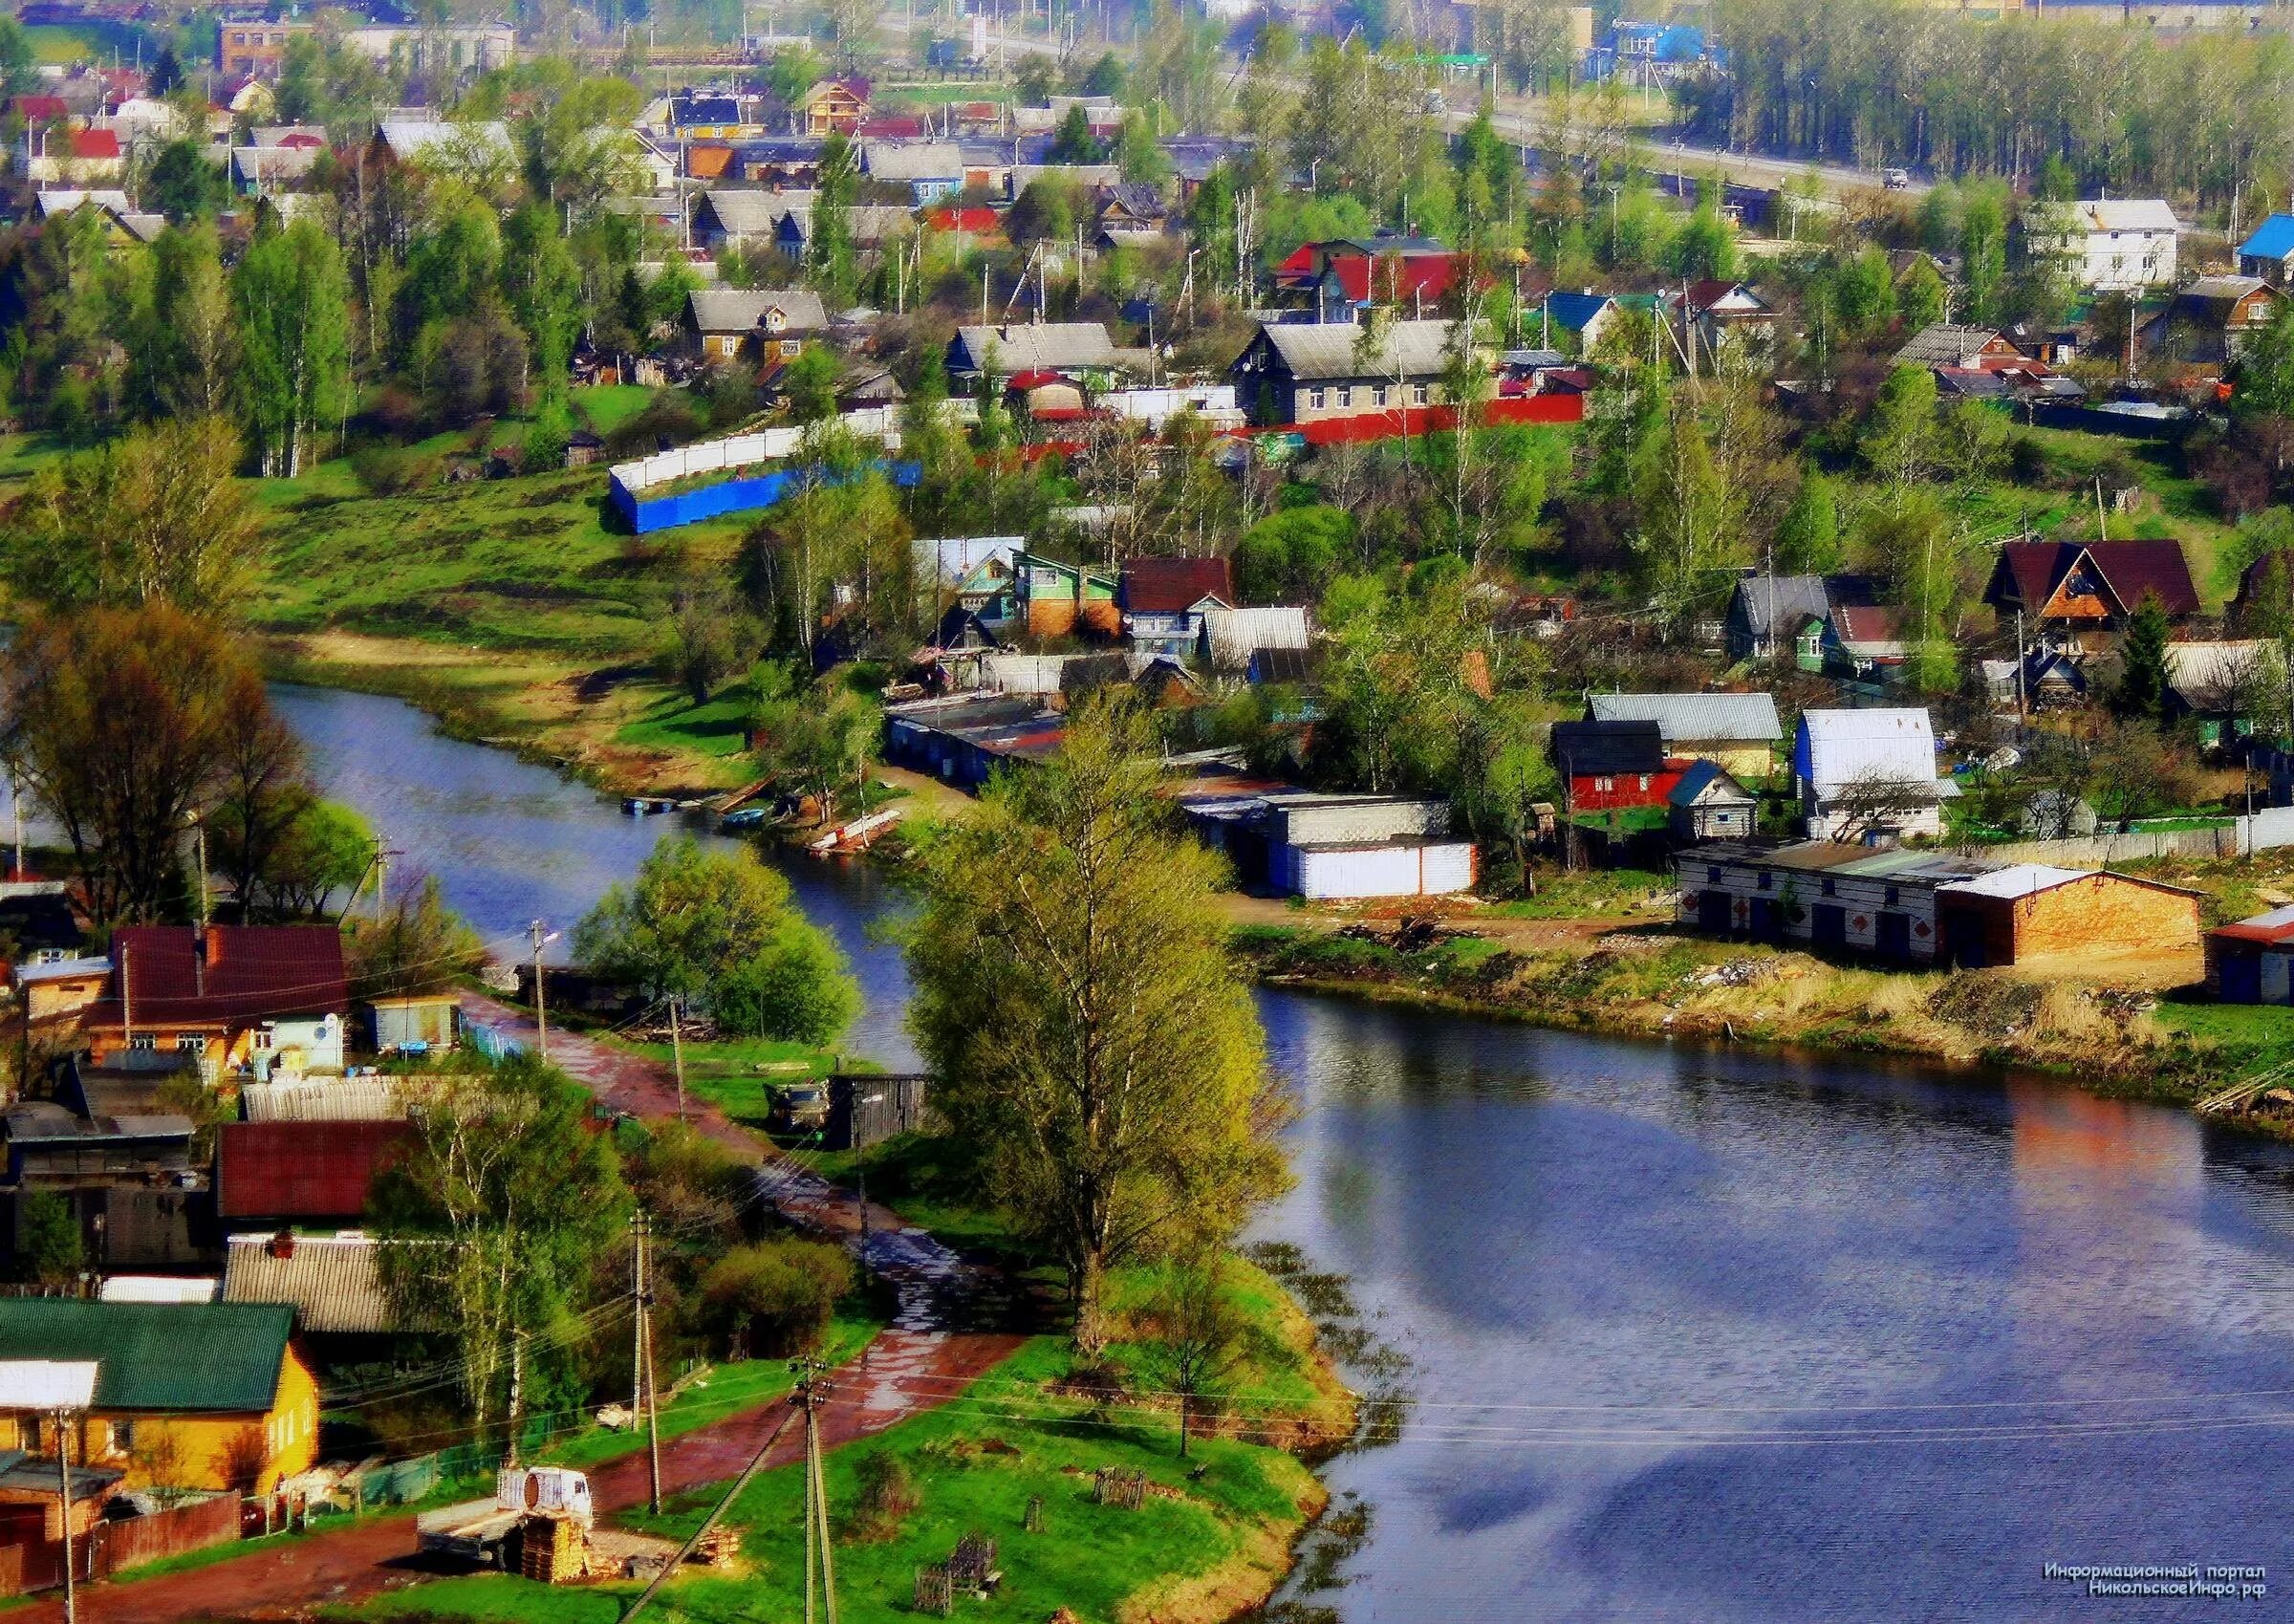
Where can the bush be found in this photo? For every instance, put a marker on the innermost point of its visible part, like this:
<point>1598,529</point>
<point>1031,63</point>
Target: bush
<point>775,1297</point>
<point>886,1492</point>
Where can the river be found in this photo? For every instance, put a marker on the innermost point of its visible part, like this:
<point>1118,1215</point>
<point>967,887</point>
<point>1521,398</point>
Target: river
<point>1697,1334</point>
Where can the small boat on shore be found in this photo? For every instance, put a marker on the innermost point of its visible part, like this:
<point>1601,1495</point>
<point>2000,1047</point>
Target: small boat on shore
<point>643,806</point>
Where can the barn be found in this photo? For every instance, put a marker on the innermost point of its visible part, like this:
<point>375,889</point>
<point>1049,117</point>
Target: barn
<point>2015,913</point>
<point>2247,963</point>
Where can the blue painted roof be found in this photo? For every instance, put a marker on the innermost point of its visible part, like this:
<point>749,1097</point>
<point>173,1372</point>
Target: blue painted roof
<point>2272,239</point>
<point>1572,310</point>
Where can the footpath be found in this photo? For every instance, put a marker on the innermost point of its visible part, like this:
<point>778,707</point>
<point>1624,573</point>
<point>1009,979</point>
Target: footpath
<point>928,1354</point>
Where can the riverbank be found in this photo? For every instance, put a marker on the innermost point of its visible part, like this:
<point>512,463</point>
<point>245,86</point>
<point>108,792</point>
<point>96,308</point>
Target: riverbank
<point>1644,980</point>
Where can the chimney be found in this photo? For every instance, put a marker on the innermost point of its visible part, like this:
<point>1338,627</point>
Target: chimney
<point>210,944</point>
<point>282,1245</point>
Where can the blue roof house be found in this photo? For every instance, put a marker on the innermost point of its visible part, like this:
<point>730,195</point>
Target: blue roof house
<point>2269,253</point>
<point>1580,316</point>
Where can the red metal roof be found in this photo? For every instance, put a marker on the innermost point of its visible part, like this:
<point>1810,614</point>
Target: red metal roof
<point>1166,586</point>
<point>307,1171</point>
<point>35,108</point>
<point>1395,276</point>
<point>975,219</point>
<point>2129,569</point>
<point>246,972</point>
<point>95,143</point>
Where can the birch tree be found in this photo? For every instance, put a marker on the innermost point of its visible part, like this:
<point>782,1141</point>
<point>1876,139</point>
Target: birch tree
<point>292,301</point>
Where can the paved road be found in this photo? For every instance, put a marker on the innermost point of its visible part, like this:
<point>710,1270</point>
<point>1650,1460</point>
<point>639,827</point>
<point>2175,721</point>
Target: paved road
<point>934,1346</point>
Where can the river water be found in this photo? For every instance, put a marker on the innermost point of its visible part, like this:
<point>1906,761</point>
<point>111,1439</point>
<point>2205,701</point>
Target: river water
<point>1697,1334</point>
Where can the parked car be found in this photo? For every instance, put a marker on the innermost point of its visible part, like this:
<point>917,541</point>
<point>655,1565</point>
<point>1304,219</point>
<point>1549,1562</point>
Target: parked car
<point>1896,179</point>
<point>800,1105</point>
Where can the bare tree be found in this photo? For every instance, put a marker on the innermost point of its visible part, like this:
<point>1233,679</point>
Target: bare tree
<point>1874,800</point>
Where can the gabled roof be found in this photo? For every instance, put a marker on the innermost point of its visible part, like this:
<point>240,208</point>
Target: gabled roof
<point>2101,214</point>
<point>1945,344</point>
<point>2272,239</point>
<point>743,309</point>
<point>1570,311</point>
<point>431,141</point>
<point>749,211</point>
<point>2128,570</point>
<point>1602,749</point>
<point>1871,630</point>
<point>2275,926</point>
<point>913,160</point>
<point>1686,717</point>
<point>244,973</point>
<point>1033,346</point>
<point>1844,744</point>
<point>1170,586</point>
<point>1775,603</point>
<point>95,144</point>
<point>319,1172</point>
<point>1709,777</point>
<point>1236,636</point>
<point>332,1283</point>
<point>1311,351</point>
<point>157,1356</point>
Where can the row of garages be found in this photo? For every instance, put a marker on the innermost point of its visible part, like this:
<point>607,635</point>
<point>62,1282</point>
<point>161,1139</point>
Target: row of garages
<point>1914,907</point>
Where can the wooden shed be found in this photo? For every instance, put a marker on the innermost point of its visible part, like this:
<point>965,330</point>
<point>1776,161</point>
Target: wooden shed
<point>2015,913</point>
<point>1709,804</point>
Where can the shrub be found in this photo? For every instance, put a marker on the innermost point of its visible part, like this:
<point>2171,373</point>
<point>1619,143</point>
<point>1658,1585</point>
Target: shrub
<point>775,1297</point>
<point>886,1493</point>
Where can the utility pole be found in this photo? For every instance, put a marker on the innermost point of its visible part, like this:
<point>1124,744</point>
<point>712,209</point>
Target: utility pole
<point>810,1393</point>
<point>63,1482</point>
<point>517,1395</point>
<point>710,1521</point>
<point>677,1054</point>
<point>381,877</point>
<point>643,1391</point>
<point>541,1017</point>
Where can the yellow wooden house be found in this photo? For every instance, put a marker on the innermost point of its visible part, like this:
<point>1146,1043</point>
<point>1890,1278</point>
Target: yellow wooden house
<point>193,1395</point>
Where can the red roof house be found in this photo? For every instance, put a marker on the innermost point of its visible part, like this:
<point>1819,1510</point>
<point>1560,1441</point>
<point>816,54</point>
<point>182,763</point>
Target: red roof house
<point>95,144</point>
<point>1172,586</point>
<point>2072,586</point>
<point>219,990</point>
<point>315,1173</point>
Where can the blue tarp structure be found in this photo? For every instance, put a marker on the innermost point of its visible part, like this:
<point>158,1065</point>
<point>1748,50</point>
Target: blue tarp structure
<point>731,496</point>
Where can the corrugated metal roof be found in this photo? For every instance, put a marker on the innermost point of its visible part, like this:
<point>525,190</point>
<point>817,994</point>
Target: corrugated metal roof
<point>1846,745</point>
<point>1341,349</point>
<point>1237,634</point>
<point>333,1099</point>
<point>333,1282</point>
<point>157,1356</point>
<point>46,1384</point>
<point>301,1170</point>
<point>2272,239</point>
<point>1030,346</point>
<point>2019,879</point>
<point>1748,717</point>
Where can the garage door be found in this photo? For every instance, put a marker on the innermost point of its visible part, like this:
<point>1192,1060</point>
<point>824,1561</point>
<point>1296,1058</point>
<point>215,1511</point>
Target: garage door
<point>1711,912</point>
<point>2242,979</point>
<point>1827,926</point>
<point>1893,936</point>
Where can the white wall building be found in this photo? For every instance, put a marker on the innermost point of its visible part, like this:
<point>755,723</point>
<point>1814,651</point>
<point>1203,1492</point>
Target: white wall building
<point>2111,245</point>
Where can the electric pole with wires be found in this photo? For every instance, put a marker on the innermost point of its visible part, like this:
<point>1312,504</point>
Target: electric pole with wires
<point>811,1392</point>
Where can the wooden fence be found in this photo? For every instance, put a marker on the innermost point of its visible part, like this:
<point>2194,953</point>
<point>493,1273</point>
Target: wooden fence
<point>113,1548</point>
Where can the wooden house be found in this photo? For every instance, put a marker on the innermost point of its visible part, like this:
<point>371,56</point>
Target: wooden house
<point>2208,323</point>
<point>1313,371</point>
<point>1737,732</point>
<point>1869,775</point>
<point>2078,594</point>
<point>1614,766</point>
<point>1056,600</point>
<point>237,998</point>
<point>1707,803</point>
<point>764,324</point>
<point>2269,251</point>
<point>1165,602</point>
<point>833,107</point>
<point>189,1396</point>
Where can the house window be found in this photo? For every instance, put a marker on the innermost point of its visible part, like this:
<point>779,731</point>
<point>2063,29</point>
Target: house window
<point>262,1041</point>
<point>1644,781</point>
<point>1418,394</point>
<point>1712,875</point>
<point>1603,786</point>
<point>1378,395</point>
<point>143,1040</point>
<point>1764,879</point>
<point>1830,889</point>
<point>1346,395</point>
<point>1891,895</point>
<point>1316,399</point>
<point>189,1043</point>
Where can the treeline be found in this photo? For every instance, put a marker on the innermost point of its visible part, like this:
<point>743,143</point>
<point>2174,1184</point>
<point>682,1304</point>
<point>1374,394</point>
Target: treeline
<point>1895,81</point>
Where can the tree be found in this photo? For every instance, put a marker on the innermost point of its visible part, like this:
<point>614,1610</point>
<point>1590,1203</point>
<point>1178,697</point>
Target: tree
<point>818,738</point>
<point>292,296</point>
<point>774,1297</point>
<point>418,945</point>
<point>193,349</point>
<point>1196,1332</point>
<point>2141,690</point>
<point>1807,539</point>
<point>157,517</point>
<point>1685,537</point>
<point>19,61</point>
<point>1139,154</point>
<point>118,723</point>
<point>710,638</point>
<point>48,1240</point>
<point>492,1219</point>
<point>1921,296</point>
<point>2262,385</point>
<point>1109,1070</point>
<point>1900,441</point>
<point>829,262</point>
<point>718,928</point>
<point>183,186</point>
<point>320,854</point>
<point>1074,142</point>
<point>809,381</point>
<point>1290,556</point>
<point>544,288</point>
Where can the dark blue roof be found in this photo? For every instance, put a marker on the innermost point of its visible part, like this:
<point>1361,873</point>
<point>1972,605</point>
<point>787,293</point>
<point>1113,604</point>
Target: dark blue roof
<point>1572,310</point>
<point>2272,239</point>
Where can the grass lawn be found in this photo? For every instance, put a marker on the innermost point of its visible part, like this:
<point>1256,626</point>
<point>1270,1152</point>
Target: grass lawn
<point>1196,1552</point>
<point>1589,893</point>
<point>739,1077</point>
<point>2249,1036</point>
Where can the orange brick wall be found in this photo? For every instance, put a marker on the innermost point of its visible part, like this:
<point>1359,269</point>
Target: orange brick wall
<point>2105,913</point>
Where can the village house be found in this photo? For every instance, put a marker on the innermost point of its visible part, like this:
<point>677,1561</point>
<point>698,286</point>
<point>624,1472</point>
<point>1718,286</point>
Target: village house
<point>1314,372</point>
<point>2210,321</point>
<point>1246,642</point>
<point>236,998</point>
<point>1329,847</point>
<point>2107,246</point>
<point>931,170</point>
<point>311,1174</point>
<point>1131,216</point>
<point>1910,907</point>
<point>743,217</point>
<point>255,49</point>
<point>2269,252</point>
<point>1011,347</point>
<point>832,107</point>
<point>1739,732</point>
<point>1165,602</point>
<point>333,1283</point>
<point>2078,594</point>
<point>1715,310</point>
<point>1707,803</point>
<point>1346,275</point>
<point>1961,348</point>
<point>188,1396</point>
<point>1581,318</point>
<point>1613,766</point>
<point>1056,600</point>
<point>763,324</point>
<point>1863,643</point>
<point>2218,687</point>
<point>2248,961</point>
<point>1869,775</point>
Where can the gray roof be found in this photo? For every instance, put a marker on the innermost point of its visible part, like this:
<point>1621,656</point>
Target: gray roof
<point>1031,346</point>
<point>1772,603</point>
<point>751,212</point>
<point>741,310</point>
<point>1945,344</point>
<point>432,141</point>
<point>1341,349</point>
<point>1750,718</point>
<point>333,1282</point>
<point>913,160</point>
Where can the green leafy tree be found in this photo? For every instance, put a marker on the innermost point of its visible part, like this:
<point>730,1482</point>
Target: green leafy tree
<point>1291,557</point>
<point>292,296</point>
<point>492,1221</point>
<point>773,1298</point>
<point>183,186</point>
<point>418,944</point>
<point>1807,539</point>
<point>1074,142</point>
<point>1984,249</point>
<point>2262,386</point>
<point>809,381</point>
<point>1108,1140</point>
<point>2141,691</point>
<point>544,288</point>
<point>719,929</point>
<point>831,261</point>
<point>1921,296</point>
<point>1685,538</point>
<point>50,1251</point>
<point>1901,441</point>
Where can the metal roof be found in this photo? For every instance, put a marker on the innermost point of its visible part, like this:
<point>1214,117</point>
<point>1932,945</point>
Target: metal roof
<point>1342,349</point>
<point>1772,601</point>
<point>1237,634</point>
<point>1034,346</point>
<point>2019,879</point>
<point>743,309</point>
<point>333,1282</point>
<point>1678,717</point>
<point>1844,744</point>
<point>46,1384</point>
<point>2272,239</point>
<point>157,1356</point>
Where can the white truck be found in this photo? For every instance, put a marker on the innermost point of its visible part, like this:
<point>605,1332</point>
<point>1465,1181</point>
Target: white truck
<point>475,1529</point>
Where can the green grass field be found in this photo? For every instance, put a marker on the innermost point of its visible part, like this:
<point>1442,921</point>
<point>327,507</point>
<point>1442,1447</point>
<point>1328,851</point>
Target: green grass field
<point>739,1077</point>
